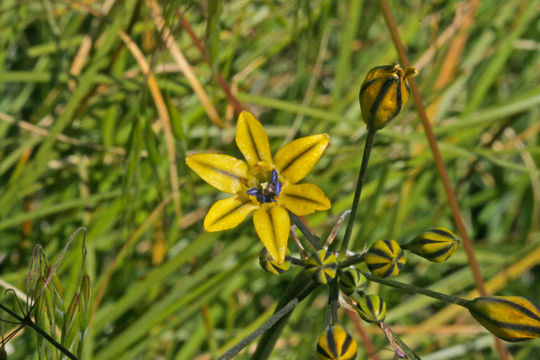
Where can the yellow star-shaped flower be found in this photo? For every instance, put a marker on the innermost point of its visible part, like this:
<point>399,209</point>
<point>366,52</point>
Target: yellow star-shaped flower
<point>264,185</point>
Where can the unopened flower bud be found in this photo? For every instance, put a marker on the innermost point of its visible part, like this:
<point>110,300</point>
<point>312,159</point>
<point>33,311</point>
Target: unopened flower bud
<point>336,344</point>
<point>435,245</point>
<point>322,266</point>
<point>512,318</point>
<point>383,94</point>
<point>268,263</point>
<point>385,258</point>
<point>371,308</point>
<point>352,281</point>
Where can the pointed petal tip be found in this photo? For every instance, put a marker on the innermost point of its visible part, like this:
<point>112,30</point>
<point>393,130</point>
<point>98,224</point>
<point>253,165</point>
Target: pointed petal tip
<point>252,140</point>
<point>297,158</point>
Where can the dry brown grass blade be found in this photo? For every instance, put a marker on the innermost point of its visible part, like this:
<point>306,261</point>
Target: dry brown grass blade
<point>178,56</point>
<point>237,105</point>
<point>445,36</point>
<point>449,66</point>
<point>38,130</point>
<point>457,45</point>
<point>163,116</point>
<point>441,168</point>
<point>81,57</point>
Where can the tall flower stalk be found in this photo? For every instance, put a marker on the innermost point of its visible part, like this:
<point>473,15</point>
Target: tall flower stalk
<point>383,94</point>
<point>268,187</point>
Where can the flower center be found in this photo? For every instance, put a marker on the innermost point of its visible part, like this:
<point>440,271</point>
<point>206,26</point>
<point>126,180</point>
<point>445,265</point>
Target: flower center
<point>267,191</point>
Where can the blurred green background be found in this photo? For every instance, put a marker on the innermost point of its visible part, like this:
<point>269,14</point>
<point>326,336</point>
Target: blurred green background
<point>97,113</point>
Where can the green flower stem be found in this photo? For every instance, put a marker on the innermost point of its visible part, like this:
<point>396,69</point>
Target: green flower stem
<point>361,175</point>
<point>407,350</point>
<point>418,290</point>
<point>28,322</point>
<point>355,259</point>
<point>333,301</point>
<point>314,240</point>
<point>278,315</point>
<point>296,261</point>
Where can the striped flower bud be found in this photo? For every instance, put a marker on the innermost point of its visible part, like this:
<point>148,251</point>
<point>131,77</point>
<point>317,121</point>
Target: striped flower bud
<point>512,318</point>
<point>371,308</point>
<point>322,266</point>
<point>435,245</point>
<point>272,266</point>
<point>352,281</point>
<point>383,94</point>
<point>336,344</point>
<point>385,258</point>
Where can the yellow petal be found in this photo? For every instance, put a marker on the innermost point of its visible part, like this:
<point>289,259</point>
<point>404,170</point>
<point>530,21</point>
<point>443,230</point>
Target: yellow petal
<point>303,199</point>
<point>228,213</point>
<point>224,172</point>
<point>296,159</point>
<point>272,224</point>
<point>252,140</point>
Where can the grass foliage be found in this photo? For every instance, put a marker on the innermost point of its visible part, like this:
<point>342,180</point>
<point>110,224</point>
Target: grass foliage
<point>89,138</point>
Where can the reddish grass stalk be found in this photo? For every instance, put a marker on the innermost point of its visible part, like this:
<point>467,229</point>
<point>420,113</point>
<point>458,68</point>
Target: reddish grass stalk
<point>238,107</point>
<point>441,168</point>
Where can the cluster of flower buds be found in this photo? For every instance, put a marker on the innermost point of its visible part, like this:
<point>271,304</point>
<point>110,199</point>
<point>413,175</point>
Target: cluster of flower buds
<point>386,258</point>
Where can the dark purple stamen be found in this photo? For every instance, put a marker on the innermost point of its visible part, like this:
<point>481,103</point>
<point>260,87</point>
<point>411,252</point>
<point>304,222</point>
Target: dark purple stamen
<point>274,175</point>
<point>277,187</point>
<point>269,191</point>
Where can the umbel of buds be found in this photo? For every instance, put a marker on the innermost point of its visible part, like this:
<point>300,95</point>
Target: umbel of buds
<point>383,94</point>
<point>512,318</point>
